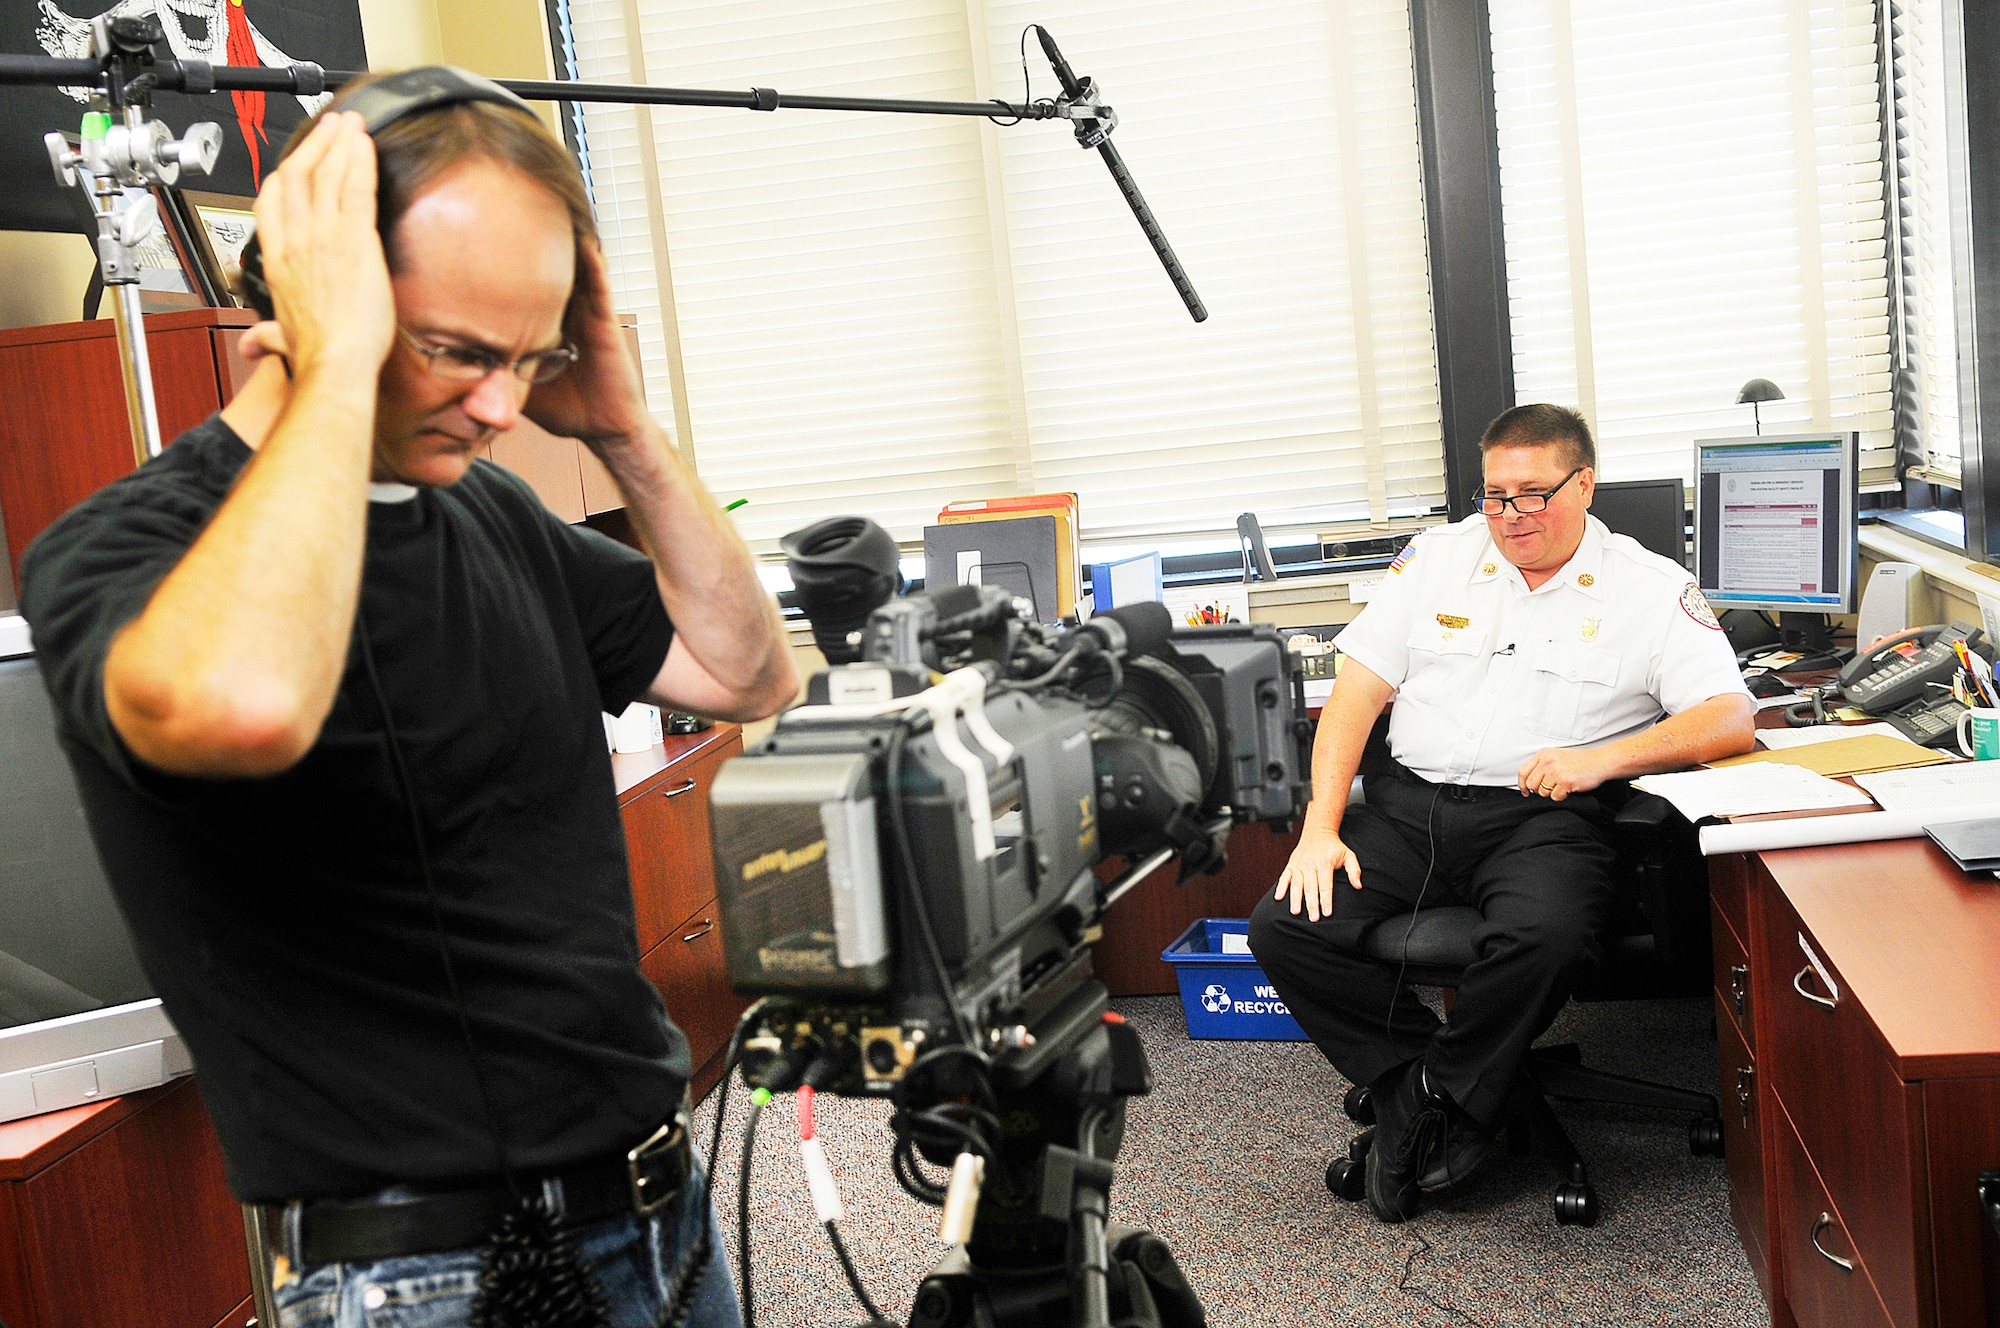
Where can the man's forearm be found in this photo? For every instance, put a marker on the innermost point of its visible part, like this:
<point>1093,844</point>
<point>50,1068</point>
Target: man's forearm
<point>1718,727</point>
<point>708,580</point>
<point>234,663</point>
<point>1344,725</point>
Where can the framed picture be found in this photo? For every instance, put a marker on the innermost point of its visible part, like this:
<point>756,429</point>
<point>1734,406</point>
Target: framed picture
<point>170,276</point>
<point>223,224</point>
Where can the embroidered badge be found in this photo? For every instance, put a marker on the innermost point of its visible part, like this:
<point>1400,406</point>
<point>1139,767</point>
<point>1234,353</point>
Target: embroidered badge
<point>1586,580</point>
<point>1588,631</point>
<point>1402,559</point>
<point>1489,569</point>
<point>1453,621</point>
<point>1695,604</point>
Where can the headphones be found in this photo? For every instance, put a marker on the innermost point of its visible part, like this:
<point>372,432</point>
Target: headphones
<point>379,104</point>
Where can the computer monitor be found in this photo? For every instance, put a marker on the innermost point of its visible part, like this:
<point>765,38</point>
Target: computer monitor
<point>1653,512</point>
<point>1774,527</point>
<point>78,1021</point>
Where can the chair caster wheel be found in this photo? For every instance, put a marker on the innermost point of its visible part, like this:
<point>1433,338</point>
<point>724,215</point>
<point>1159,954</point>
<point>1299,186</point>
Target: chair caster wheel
<point>1705,1136</point>
<point>1347,1178</point>
<point>1576,1205</point>
<point>1359,1104</point>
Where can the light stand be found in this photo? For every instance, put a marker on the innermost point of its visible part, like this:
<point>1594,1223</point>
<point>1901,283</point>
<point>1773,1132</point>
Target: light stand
<point>124,153</point>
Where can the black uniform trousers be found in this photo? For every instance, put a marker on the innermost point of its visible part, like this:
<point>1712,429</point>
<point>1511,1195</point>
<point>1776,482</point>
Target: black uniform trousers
<point>1541,874</point>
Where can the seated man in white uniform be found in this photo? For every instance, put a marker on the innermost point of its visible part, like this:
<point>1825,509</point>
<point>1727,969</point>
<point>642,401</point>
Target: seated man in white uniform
<point>1537,661</point>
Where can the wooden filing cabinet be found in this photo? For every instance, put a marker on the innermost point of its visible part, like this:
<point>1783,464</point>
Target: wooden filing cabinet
<point>1743,1113</point>
<point>116,1215</point>
<point>663,798</point>
<point>1855,1000</point>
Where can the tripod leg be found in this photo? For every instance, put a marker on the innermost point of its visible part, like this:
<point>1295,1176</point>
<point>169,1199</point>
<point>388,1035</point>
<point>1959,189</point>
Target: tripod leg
<point>1153,1260</point>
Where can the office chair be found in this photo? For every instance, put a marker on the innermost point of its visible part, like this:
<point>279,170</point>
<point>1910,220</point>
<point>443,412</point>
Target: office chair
<point>1657,945</point>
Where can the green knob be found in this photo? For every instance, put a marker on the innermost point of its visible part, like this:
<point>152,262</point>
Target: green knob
<point>95,124</point>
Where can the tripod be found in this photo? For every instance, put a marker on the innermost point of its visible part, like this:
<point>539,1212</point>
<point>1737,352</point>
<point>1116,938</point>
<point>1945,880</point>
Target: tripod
<point>1042,1250</point>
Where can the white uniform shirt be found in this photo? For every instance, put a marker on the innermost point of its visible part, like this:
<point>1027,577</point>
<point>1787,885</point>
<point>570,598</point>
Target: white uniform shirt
<point>1487,672</point>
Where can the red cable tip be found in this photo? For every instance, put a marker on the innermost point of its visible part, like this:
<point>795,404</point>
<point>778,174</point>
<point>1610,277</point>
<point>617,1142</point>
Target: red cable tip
<point>805,1108</point>
<point>1113,1017</point>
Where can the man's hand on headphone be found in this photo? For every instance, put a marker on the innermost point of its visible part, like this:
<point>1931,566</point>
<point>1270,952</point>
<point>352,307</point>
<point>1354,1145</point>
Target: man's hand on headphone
<point>323,259</point>
<point>601,399</point>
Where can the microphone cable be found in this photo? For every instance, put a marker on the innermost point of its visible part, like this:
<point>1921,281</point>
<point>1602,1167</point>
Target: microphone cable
<point>532,1274</point>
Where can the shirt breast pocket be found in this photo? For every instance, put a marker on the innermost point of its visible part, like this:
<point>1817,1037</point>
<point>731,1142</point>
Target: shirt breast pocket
<point>1441,663</point>
<point>1570,691</point>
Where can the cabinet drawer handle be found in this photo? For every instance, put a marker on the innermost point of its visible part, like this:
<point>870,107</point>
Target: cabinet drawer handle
<point>1739,975</point>
<point>676,792</point>
<point>1746,1081</point>
<point>1798,985</point>
<point>707,926</point>
<point>1825,1221</point>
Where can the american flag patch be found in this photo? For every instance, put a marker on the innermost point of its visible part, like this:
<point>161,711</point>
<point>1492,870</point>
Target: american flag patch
<point>1403,558</point>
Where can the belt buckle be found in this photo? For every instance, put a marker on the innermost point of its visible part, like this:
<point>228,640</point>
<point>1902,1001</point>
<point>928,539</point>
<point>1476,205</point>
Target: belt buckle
<point>670,1137</point>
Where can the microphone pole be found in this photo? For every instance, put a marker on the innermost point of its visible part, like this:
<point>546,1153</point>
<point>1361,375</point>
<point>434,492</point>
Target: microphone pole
<point>122,153</point>
<point>1094,123</point>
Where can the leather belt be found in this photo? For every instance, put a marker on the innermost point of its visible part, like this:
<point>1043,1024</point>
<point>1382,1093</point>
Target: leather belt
<point>640,1181</point>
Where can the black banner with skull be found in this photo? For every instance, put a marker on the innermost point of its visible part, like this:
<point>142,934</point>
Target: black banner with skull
<point>222,32</point>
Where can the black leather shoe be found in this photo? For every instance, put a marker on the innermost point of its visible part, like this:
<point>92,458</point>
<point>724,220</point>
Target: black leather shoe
<point>1466,1144</point>
<point>1410,1127</point>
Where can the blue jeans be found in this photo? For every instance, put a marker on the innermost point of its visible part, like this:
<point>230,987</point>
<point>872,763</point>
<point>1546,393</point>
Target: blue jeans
<point>632,1258</point>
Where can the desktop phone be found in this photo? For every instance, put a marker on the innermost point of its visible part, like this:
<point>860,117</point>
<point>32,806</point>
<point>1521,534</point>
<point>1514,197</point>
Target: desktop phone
<point>1906,679</point>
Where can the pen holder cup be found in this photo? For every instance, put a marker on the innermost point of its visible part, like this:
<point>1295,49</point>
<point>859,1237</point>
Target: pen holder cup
<point>1979,733</point>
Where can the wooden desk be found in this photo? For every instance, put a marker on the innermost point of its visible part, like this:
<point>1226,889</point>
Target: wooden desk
<point>1859,1127</point>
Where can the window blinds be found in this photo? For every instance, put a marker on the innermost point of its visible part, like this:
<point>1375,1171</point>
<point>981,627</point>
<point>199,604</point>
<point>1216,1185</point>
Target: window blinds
<point>1926,141</point>
<point>1692,197</point>
<point>883,313</point>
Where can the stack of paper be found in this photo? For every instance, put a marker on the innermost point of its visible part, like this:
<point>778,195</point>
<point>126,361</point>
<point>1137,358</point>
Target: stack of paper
<point>1750,790</point>
<point>1775,739</point>
<point>1960,784</point>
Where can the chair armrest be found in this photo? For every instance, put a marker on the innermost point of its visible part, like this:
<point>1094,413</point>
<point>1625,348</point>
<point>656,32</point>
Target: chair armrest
<point>1644,811</point>
<point>1671,878</point>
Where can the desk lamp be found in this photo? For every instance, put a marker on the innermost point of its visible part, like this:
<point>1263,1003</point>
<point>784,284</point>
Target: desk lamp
<point>1756,392</point>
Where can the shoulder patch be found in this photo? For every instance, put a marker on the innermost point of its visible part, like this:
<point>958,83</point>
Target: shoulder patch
<point>1695,605</point>
<point>1403,559</point>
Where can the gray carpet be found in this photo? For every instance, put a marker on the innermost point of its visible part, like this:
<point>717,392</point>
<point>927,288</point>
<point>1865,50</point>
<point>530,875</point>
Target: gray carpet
<point>1226,1161</point>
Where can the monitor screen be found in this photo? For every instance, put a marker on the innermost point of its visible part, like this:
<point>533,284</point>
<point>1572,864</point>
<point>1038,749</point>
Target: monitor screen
<point>64,948</point>
<point>1775,521</point>
<point>1653,512</point>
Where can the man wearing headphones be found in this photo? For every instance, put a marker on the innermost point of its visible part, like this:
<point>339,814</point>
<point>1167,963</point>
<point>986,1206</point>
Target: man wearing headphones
<point>1532,656</point>
<point>331,686</point>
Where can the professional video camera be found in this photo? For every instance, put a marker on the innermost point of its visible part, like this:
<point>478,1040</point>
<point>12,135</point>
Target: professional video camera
<point>906,868</point>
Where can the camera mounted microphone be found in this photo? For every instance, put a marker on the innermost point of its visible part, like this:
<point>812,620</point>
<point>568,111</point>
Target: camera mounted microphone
<point>1129,629</point>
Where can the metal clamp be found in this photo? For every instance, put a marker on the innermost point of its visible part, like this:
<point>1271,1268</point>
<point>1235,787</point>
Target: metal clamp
<point>1798,985</point>
<point>1825,1221</point>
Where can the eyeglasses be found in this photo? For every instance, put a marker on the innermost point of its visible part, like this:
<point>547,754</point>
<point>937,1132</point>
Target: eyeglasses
<point>469,364</point>
<point>1526,504</point>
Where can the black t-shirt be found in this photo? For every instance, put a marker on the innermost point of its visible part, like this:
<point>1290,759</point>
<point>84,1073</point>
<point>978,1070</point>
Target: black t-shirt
<point>285,922</point>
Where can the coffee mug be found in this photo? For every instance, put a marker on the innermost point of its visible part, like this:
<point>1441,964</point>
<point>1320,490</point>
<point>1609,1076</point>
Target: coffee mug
<point>1983,742</point>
